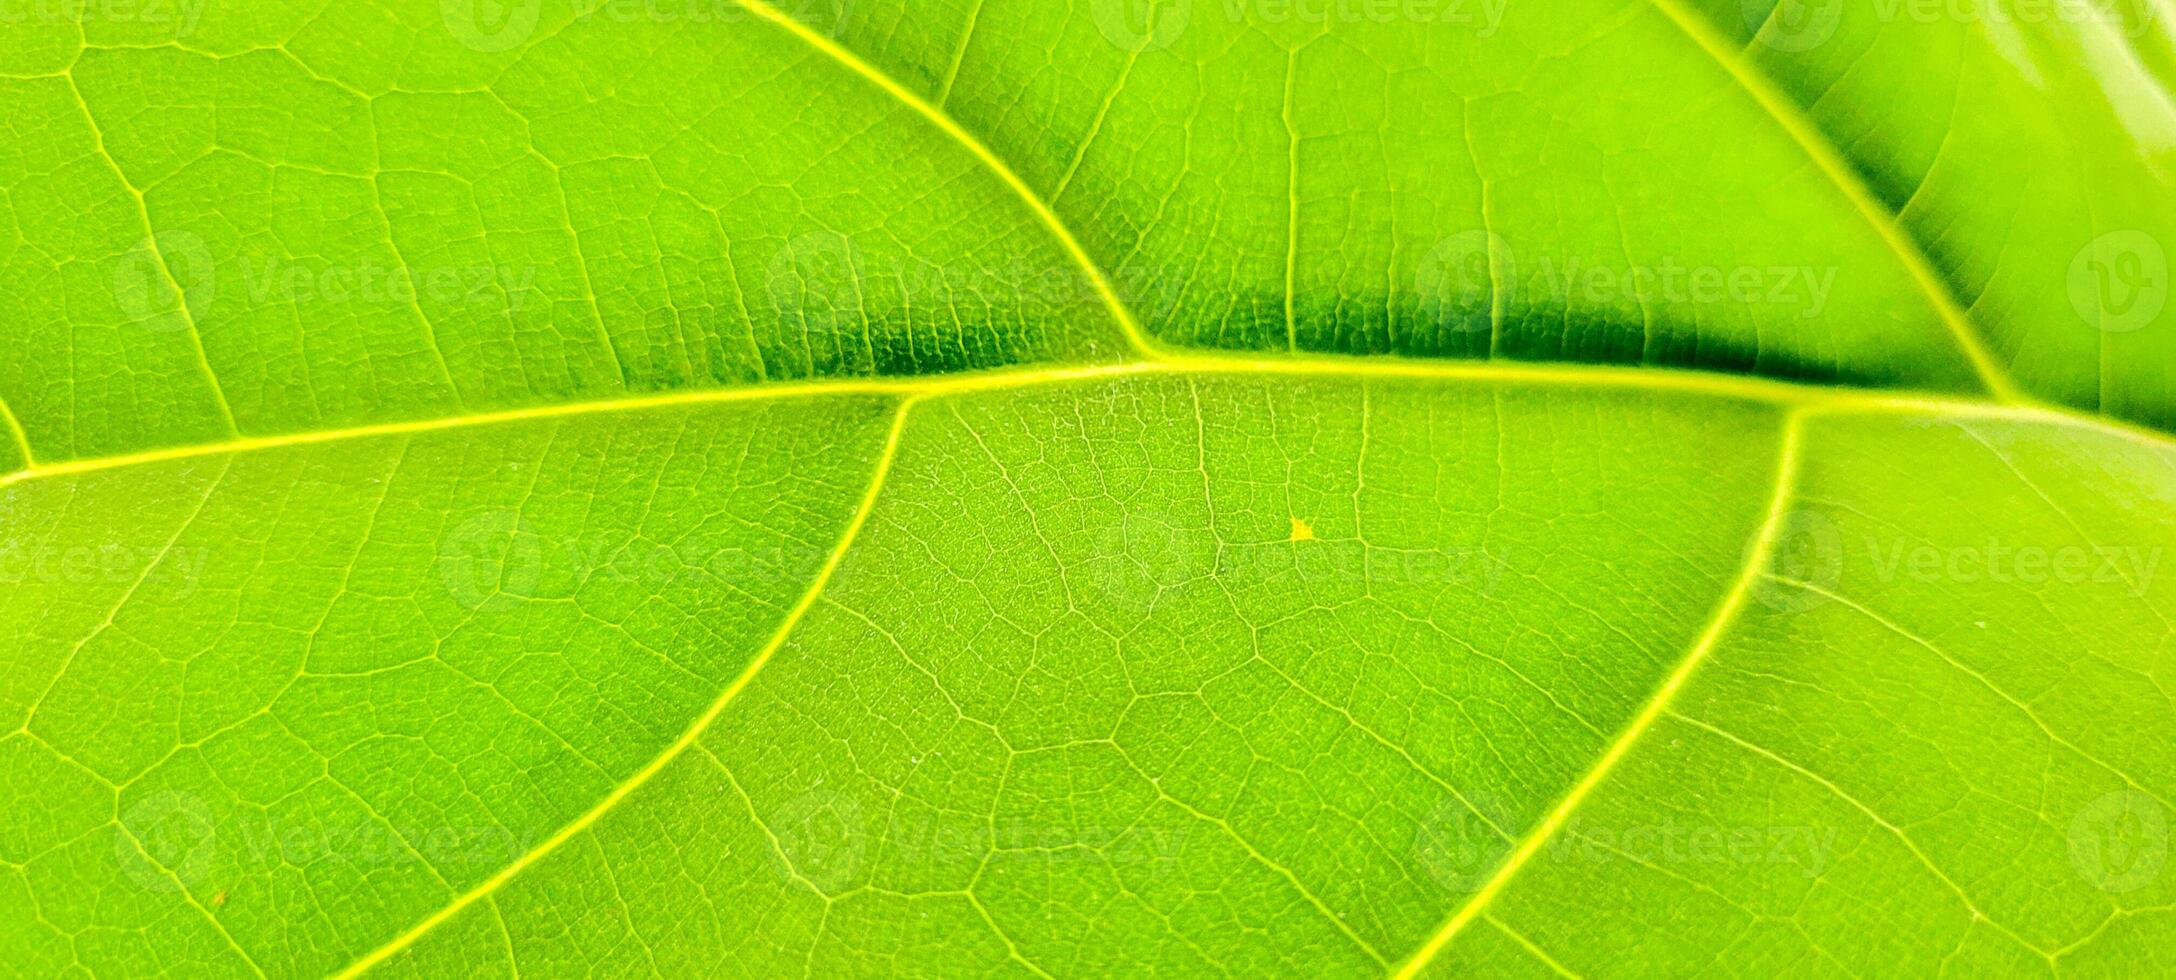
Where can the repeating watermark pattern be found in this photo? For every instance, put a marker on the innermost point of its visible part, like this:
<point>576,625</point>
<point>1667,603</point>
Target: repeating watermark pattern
<point>2119,282</point>
<point>2119,842</point>
<point>1795,26</point>
<point>1150,25</point>
<point>494,26</point>
<point>183,842</point>
<point>179,15</point>
<point>174,573</point>
<point>1476,271</point>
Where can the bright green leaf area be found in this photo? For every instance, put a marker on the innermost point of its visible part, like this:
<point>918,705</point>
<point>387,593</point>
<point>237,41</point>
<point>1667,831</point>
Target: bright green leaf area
<point>970,487</point>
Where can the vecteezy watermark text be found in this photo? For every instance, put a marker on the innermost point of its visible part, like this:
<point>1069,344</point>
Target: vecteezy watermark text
<point>181,15</point>
<point>1478,270</point>
<point>177,571</point>
<point>1149,25</point>
<point>1814,556</point>
<point>492,26</point>
<point>1802,25</point>
<point>1463,843</point>
<point>174,840</point>
<point>147,277</point>
<point>2130,567</point>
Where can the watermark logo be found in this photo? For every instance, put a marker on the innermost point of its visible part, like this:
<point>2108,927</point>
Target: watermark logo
<point>2119,281</point>
<point>1809,551</point>
<point>2119,842</point>
<point>1141,557</point>
<point>1792,26</point>
<point>145,293</point>
<point>492,559</point>
<point>1465,278</point>
<point>815,280</point>
<point>1462,842</point>
<point>821,838</point>
<point>1142,25</point>
<point>491,26</point>
<point>178,837</point>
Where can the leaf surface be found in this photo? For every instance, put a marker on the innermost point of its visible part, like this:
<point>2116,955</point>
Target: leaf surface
<point>995,487</point>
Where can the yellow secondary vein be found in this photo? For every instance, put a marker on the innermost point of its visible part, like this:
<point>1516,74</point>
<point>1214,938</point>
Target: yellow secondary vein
<point>1127,325</point>
<point>1839,171</point>
<point>687,738</point>
<point>181,888</point>
<point>151,244</point>
<point>1757,559</point>
<point>15,430</point>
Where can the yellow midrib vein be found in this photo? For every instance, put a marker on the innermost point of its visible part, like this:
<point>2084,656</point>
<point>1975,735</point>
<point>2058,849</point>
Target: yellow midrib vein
<point>1597,377</point>
<point>1758,556</point>
<point>687,739</point>
<point>2008,399</point>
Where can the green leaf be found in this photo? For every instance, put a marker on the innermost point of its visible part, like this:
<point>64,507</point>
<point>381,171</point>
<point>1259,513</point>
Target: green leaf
<point>987,486</point>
